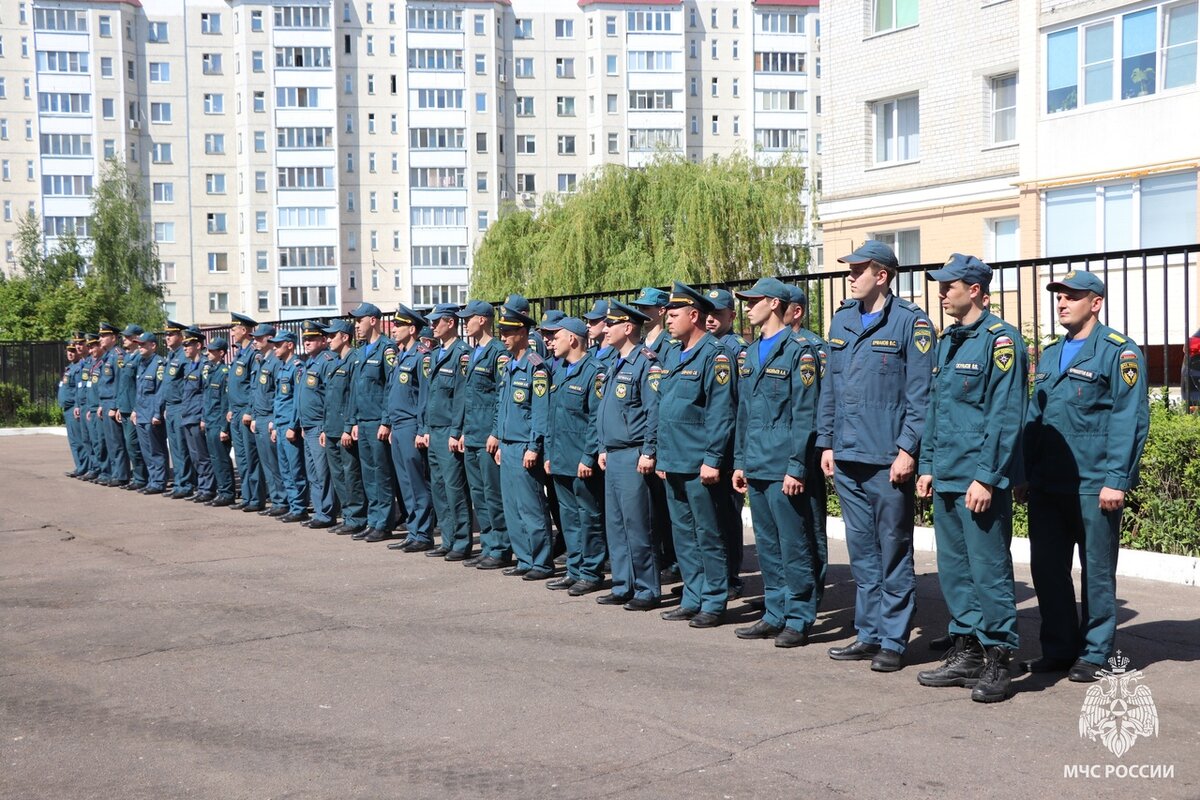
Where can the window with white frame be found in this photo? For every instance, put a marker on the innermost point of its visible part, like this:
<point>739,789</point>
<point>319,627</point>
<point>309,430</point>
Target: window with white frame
<point>907,246</point>
<point>1156,211</point>
<point>897,129</point>
<point>1002,237</point>
<point>1004,109</point>
<point>894,14</point>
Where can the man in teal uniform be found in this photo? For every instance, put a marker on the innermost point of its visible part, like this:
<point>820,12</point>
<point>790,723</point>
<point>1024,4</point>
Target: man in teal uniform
<point>66,401</point>
<point>537,342</point>
<point>477,443</point>
<point>315,370</point>
<point>110,372</point>
<point>444,380</point>
<point>286,431</point>
<point>340,448</point>
<point>262,399</point>
<point>403,414</point>
<point>597,322</point>
<point>191,379</point>
<point>95,418</point>
<point>969,463</point>
<point>521,412</point>
<point>215,422</point>
<point>241,414</point>
<point>373,362</point>
<point>571,450</point>
<point>147,414</point>
<point>182,469</point>
<point>1088,421</point>
<point>695,437</point>
<point>776,460</point>
<point>126,395</point>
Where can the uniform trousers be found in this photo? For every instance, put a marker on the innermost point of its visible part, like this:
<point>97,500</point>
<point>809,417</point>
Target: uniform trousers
<point>290,453</point>
<point>153,441</point>
<point>700,547</point>
<point>218,457</point>
<point>409,463</point>
<point>268,459</point>
<point>448,479</point>
<point>525,509</point>
<point>316,469</point>
<point>182,468</point>
<point>377,477</point>
<point>346,475</point>
<point>114,441</point>
<point>198,452</point>
<point>245,451</point>
<point>483,479</point>
<point>792,564</point>
<point>580,502</point>
<point>137,466</point>
<point>628,503</point>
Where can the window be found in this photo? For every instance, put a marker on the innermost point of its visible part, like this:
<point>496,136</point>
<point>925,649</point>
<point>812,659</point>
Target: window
<point>522,29</point>
<point>735,50</point>
<point>695,126</point>
<point>481,64</point>
<point>264,301</point>
<point>131,70</point>
<point>260,181</point>
<point>565,106</point>
<point>610,65</point>
<point>781,22</point>
<point>260,102</point>
<point>439,256</point>
<point>437,177</point>
<point>481,102</point>
<point>566,145</point>
<point>210,23</point>
<point>610,26</point>
<point>156,32</point>
<point>480,25</point>
<point>105,25</point>
<point>894,14</point>
<point>256,21</point>
<point>481,221</point>
<point>1179,53</point>
<point>651,100</point>
<point>213,104</point>
<point>481,143</point>
<point>166,271</point>
<point>260,221</point>
<point>614,143</point>
<point>160,152</point>
<point>160,72</point>
<point>217,222</point>
<point>214,144</point>
<point>1157,211</point>
<point>1138,34</point>
<point>714,87</point>
<point>526,182</point>
<point>612,104</point>
<point>693,86</point>
<point>736,92</point>
<point>260,261</point>
<point>523,67</point>
<point>564,29</point>
<point>907,245</point>
<point>646,21</point>
<point>1061,77</point>
<point>564,67</point>
<point>214,183</point>
<point>526,144</point>
<point>737,125</point>
<point>713,47</point>
<point>779,63</point>
<point>1004,109</point>
<point>218,262</point>
<point>716,124</point>
<point>650,61</point>
<point>164,232</point>
<point>567,182</point>
<point>218,302</point>
<point>438,217</point>
<point>781,139</point>
<point>897,130</point>
<point>524,107</point>
<point>210,63</point>
<point>1003,244</point>
<point>62,61</point>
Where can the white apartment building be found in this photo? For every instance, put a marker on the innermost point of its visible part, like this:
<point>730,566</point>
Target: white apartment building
<point>301,156</point>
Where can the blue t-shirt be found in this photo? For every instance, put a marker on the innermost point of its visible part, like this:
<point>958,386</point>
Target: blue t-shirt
<point>1070,348</point>
<point>765,344</point>
<point>870,319</point>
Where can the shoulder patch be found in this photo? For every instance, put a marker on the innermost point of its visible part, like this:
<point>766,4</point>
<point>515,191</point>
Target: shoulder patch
<point>649,354</point>
<point>909,305</point>
<point>540,382</point>
<point>1129,370</point>
<point>535,359</point>
<point>1115,338</point>
<point>995,327</point>
<point>721,368</point>
<point>389,355</point>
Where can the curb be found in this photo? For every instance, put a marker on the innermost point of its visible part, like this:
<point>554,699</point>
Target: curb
<point>1183,570</point>
<point>55,431</point>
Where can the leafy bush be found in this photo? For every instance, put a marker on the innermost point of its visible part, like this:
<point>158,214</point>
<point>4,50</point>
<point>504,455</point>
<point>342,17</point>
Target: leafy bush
<point>12,399</point>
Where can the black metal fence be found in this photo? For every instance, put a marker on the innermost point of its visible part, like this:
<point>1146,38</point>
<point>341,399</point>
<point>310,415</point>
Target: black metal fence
<point>1153,297</point>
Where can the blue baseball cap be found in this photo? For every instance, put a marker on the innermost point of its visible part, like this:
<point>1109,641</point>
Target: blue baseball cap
<point>619,312</point>
<point>147,337</point>
<point>443,310</point>
<point>650,296</point>
<point>552,316</point>
<point>366,310</point>
<point>243,320</point>
<point>767,287</point>
<point>721,299</point>
<point>683,295</point>
<point>91,338</point>
<point>407,316</point>
<point>958,267</point>
<point>132,330</point>
<point>799,296</point>
<point>517,302</point>
<point>571,324</point>
<point>599,311</point>
<point>283,336</point>
<point>477,308</point>
<point>218,344</point>
<point>262,329</point>
<point>426,333</point>
<point>1080,281</point>
<point>873,250</point>
<point>339,326</point>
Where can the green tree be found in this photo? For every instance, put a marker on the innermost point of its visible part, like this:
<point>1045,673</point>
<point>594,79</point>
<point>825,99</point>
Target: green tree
<point>723,219</point>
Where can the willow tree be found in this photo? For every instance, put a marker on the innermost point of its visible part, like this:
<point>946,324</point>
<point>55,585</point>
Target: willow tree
<point>717,220</point>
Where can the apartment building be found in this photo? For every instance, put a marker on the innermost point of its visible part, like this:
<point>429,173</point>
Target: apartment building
<point>300,156</point>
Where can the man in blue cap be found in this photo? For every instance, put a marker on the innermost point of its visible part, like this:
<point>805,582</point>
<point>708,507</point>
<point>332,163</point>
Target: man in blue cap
<point>627,438</point>
<point>286,431</point>
<point>340,448</point>
<point>477,442</point>
<point>214,422</point>
<point>444,375</point>
<point>1088,421</point>
<point>521,413</point>
<point>572,448</point>
<point>776,460</point>
<point>262,398</point>
<point>545,328</point>
<point>314,372</point>
<point>652,302</point>
<point>66,401</point>
<point>148,414</point>
<point>182,469</point>
<point>127,363</point>
<point>242,375</point>
<point>95,418</point>
<point>968,465</point>
<point>872,417</point>
<point>695,437</point>
<point>191,378</point>
<point>116,466</point>
<point>372,365</point>
<point>405,397</point>
<point>85,406</point>
<point>597,322</point>
<point>537,342</point>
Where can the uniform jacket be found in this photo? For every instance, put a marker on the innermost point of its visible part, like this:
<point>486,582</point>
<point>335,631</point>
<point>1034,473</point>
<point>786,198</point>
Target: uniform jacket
<point>444,381</point>
<point>405,392</point>
<point>695,408</point>
<point>314,377</point>
<point>84,384</point>
<point>241,377</point>
<point>66,386</point>
<point>627,415</point>
<point>777,411</point>
<point>977,407</point>
<point>523,405</point>
<point>1088,424</point>
<point>877,383</point>
<point>337,396</point>
<point>262,388</point>
<point>216,399</point>
<point>173,388</point>
<point>109,375</point>
<point>127,363</point>
<point>571,436</point>
<point>151,375</point>
<point>484,373</point>
<point>371,367</point>
<point>190,379</point>
<point>289,378</point>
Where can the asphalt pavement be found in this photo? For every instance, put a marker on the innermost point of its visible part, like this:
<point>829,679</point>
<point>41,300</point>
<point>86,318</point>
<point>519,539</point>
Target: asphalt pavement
<point>152,648</point>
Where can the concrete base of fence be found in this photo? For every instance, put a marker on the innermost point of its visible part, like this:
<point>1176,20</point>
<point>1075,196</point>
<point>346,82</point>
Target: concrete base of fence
<point>1184,570</point>
<point>56,431</point>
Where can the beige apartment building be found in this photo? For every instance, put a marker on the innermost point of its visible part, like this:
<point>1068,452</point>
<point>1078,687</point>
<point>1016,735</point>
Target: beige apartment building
<point>301,156</point>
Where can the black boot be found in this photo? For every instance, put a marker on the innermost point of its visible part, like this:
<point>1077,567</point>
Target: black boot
<point>995,681</point>
<point>961,666</point>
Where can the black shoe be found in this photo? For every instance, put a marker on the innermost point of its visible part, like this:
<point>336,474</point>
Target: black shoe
<point>221,502</point>
<point>886,661</point>
<point>859,651</point>
<point>995,682</point>
<point>611,599</point>
<point>961,665</point>
<point>705,620</point>
<point>351,530</point>
<point>362,533</point>
<point>203,497</point>
<point>238,506</point>
<point>680,614</point>
<point>399,544</point>
<point>757,603</point>
<point>91,476</point>
<point>560,583</point>
<point>642,604</point>
<point>418,546</point>
<point>759,630</point>
<point>437,552</point>
<point>473,561</point>
<point>301,517</point>
<point>516,572</point>
<point>71,474</point>
<point>1045,664</point>
<point>154,490</point>
<point>669,575</point>
<point>320,523</point>
<point>116,484</point>
<point>790,637</point>
<point>377,535</point>
<point>942,643</point>
<point>1084,672</point>
<point>457,555</point>
<point>277,511</point>
<point>491,562</point>
<point>538,575</point>
<point>580,588</point>
<point>134,487</point>
<point>252,509</point>
<point>178,495</point>
<point>735,590</point>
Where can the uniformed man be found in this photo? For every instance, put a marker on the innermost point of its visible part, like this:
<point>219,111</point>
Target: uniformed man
<point>81,412</point>
<point>340,448</point>
<point>246,360</point>
<point>477,442</point>
<point>182,469</point>
<point>94,416</point>
<point>627,437</point>
<point>872,417</point>
<point>315,370</point>
<point>550,317</point>
<point>286,432</point>
<point>215,422</point>
<point>148,414</point>
<point>695,445</point>
<point>443,381</point>
<point>537,342</point>
<point>262,404</point>
<point>521,413</point>
<point>571,451</point>
<point>191,380</point>
<point>775,461</point>
<point>597,322</point>
<point>1088,421</point>
<point>372,364</point>
<point>404,400</point>
<point>109,373</point>
<point>968,465</point>
<point>66,401</point>
<point>652,302</point>
<point>128,364</point>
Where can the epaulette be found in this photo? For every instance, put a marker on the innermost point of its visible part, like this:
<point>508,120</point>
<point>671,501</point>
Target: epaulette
<point>1115,339</point>
<point>649,354</point>
<point>849,301</point>
<point>535,360</point>
<point>909,305</point>
<point>997,326</point>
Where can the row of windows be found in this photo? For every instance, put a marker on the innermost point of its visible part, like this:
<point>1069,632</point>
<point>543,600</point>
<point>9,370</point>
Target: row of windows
<point>439,256</point>
<point>303,217</point>
<point>318,256</point>
<point>786,63</point>
<point>302,17</point>
<point>781,139</point>
<point>67,185</point>
<point>306,178</point>
<point>66,144</point>
<point>429,19</point>
<point>304,57</point>
<point>438,216</point>
<point>59,19</point>
<point>304,138</point>
<point>64,103</point>
<point>62,61</point>
<point>436,138</point>
<point>297,96</point>
<point>438,98</point>
<point>429,58</point>
<point>651,61</point>
<point>60,226</point>
<point>299,296</point>
<point>437,177</point>
<point>654,138</point>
